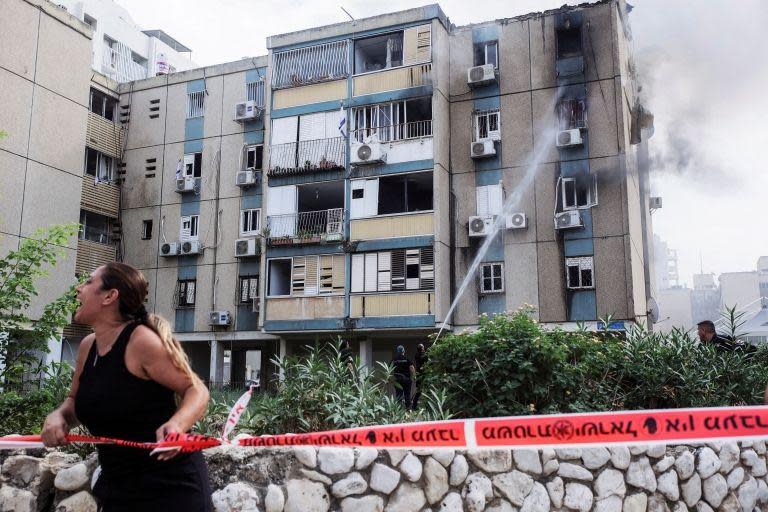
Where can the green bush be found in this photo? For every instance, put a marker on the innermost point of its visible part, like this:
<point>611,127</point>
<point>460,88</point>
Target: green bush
<point>23,411</point>
<point>512,366</point>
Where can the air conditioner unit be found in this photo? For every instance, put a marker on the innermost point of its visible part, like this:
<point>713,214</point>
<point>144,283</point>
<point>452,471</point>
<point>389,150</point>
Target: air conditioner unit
<point>247,111</point>
<point>568,220</point>
<point>191,247</point>
<point>480,225</point>
<point>168,250</point>
<point>219,318</point>
<point>655,203</point>
<point>482,149</point>
<point>367,153</point>
<point>185,185</point>
<point>567,138</point>
<point>246,178</point>
<point>481,75</point>
<point>517,221</point>
<point>245,247</point>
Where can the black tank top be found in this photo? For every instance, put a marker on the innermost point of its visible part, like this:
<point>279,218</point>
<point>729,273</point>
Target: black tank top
<point>112,402</point>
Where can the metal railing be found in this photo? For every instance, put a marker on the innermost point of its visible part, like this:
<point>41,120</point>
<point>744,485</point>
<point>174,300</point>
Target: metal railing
<point>195,104</point>
<point>119,65</point>
<point>307,156</point>
<point>313,64</point>
<point>395,132</point>
<point>254,91</point>
<point>305,227</point>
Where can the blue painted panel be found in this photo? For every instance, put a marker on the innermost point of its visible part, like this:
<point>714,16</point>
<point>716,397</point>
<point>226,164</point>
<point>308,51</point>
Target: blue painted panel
<point>574,167</point>
<point>488,177</point>
<point>486,92</point>
<point>383,97</point>
<point>318,324</point>
<point>252,75</point>
<point>250,201</point>
<point>185,320</point>
<point>486,103</point>
<point>573,92</point>
<point>584,232</point>
<point>396,243</point>
<point>253,137</point>
<point>193,146</point>
<point>305,109</point>
<point>491,304</point>
<point>196,85</point>
<point>582,305</point>
<point>485,34</point>
<point>383,322</point>
<point>255,124</point>
<point>247,320</point>
<point>579,247</point>
<point>249,267</point>
<point>312,177</point>
<point>187,269</point>
<point>302,250</point>
<point>613,326</point>
<point>495,251</point>
<point>380,170</point>
<point>488,163</point>
<point>190,204</point>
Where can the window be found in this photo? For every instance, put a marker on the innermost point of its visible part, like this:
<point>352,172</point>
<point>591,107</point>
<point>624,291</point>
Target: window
<point>490,199</point>
<point>379,52</point>
<point>312,64</point>
<point>189,228</point>
<point>99,165</point>
<point>90,21</point>
<point>579,273</point>
<point>398,270</point>
<point>193,164</point>
<point>401,193</point>
<point>102,104</point>
<point>185,293</point>
<point>254,91</point>
<point>250,222</point>
<point>487,53</point>
<point>578,191</point>
<point>399,120</point>
<point>146,230</point>
<point>306,275</point>
<point>195,104</point>
<point>571,114</point>
<point>487,125</point>
<point>492,278</point>
<point>254,156</point>
<point>568,42</point>
<point>249,289</point>
<point>94,227</point>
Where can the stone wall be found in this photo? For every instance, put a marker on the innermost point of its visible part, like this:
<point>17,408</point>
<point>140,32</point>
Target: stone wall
<point>727,477</point>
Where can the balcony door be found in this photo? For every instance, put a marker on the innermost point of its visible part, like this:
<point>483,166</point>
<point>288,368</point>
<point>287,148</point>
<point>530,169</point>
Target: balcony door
<point>282,211</point>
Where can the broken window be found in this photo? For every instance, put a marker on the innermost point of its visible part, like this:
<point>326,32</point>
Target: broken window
<point>254,156</point>
<point>102,104</point>
<point>571,114</point>
<point>185,293</point>
<point>399,120</point>
<point>387,195</point>
<point>306,275</point>
<point>379,52</point>
<point>397,270</point>
<point>279,271</point>
<point>249,289</point>
<point>250,222</point>
<point>312,64</point>
<point>568,42</point>
<point>492,277</point>
<point>94,227</point>
<point>99,165</point>
<point>193,164</point>
<point>189,227</point>
<point>487,53</point>
<point>146,230</point>
<point>487,125</point>
<point>578,191</point>
<point>579,273</point>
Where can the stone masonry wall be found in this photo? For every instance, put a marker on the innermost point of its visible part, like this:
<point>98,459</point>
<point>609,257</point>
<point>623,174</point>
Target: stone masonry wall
<point>726,477</point>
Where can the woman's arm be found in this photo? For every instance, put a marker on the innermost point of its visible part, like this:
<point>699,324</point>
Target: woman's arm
<point>60,421</point>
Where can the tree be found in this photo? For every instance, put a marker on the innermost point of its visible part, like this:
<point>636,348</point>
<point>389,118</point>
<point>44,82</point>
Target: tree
<point>23,339</point>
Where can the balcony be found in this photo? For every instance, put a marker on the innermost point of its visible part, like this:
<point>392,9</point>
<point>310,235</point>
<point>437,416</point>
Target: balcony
<point>93,252</point>
<point>306,227</point>
<point>396,132</point>
<point>120,67</point>
<point>307,156</point>
<point>311,65</point>
<point>393,79</point>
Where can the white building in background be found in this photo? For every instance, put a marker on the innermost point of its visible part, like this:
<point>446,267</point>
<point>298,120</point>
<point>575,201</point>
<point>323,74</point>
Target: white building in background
<point>121,49</point>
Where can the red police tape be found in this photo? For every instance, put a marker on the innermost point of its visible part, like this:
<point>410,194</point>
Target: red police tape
<point>557,430</point>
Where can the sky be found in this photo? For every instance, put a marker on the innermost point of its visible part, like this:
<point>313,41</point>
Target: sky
<point>701,62</point>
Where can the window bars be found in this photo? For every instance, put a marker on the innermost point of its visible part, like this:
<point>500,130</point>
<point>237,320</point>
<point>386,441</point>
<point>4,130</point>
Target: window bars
<point>254,91</point>
<point>195,104</point>
<point>313,64</point>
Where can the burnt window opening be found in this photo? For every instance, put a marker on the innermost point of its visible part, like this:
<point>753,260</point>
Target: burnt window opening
<point>279,271</point>
<point>405,193</point>
<point>578,191</point>
<point>146,230</point>
<point>580,273</point>
<point>99,165</point>
<point>185,293</point>
<point>569,43</point>
<point>94,227</point>
<point>571,114</point>
<point>487,53</point>
<point>103,105</point>
<point>492,278</point>
<point>193,165</point>
<point>320,196</point>
<point>254,156</point>
<point>379,52</point>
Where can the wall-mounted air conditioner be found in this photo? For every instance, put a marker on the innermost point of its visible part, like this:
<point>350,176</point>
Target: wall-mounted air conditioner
<point>185,185</point>
<point>481,75</point>
<point>480,225</point>
<point>655,203</point>
<point>247,111</point>
<point>567,138</point>
<point>367,153</point>
<point>482,149</point>
<point>219,318</point>
<point>245,247</point>
<point>191,247</point>
<point>517,221</point>
<point>169,249</point>
<point>568,220</point>
<point>246,178</point>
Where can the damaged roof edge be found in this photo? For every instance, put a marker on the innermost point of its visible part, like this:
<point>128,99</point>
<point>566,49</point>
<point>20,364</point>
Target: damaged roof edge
<point>425,13</point>
<point>541,14</point>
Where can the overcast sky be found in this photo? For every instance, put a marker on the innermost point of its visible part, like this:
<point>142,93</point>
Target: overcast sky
<point>706,82</point>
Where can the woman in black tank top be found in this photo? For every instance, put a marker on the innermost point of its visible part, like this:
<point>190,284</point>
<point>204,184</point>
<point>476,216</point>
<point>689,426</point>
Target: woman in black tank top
<point>129,374</point>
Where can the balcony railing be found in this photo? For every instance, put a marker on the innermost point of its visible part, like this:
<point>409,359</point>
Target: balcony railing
<point>305,227</point>
<point>120,66</point>
<point>307,156</point>
<point>391,133</point>
<point>313,64</point>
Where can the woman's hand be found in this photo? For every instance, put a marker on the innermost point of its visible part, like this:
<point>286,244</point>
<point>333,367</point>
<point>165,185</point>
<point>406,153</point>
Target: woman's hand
<point>169,427</point>
<point>55,429</point>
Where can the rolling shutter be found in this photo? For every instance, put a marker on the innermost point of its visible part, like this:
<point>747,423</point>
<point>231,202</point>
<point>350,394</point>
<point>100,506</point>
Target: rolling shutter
<point>412,269</point>
<point>358,273</point>
<point>398,269</point>
<point>417,42</point>
<point>298,275</point>
<point>427,269</point>
<point>371,272</point>
<point>310,275</point>
<point>384,271</point>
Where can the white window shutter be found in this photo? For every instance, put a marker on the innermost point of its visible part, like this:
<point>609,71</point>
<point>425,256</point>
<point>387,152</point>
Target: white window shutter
<point>332,124</point>
<point>358,273</point>
<point>482,200</point>
<point>310,273</point>
<point>385,272</point>
<point>190,292</point>
<point>371,197</point>
<point>371,271</point>
<point>495,199</point>
<point>189,165</point>
<point>281,202</point>
<point>312,126</point>
<point>284,130</point>
<point>357,206</point>
<point>185,228</point>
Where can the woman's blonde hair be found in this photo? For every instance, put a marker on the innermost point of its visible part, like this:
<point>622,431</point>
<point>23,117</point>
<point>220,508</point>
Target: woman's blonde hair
<point>132,288</point>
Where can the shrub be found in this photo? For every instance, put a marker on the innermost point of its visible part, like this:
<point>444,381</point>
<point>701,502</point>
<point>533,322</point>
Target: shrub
<point>24,413</point>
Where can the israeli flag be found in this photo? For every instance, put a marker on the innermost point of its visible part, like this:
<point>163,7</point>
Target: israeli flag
<point>178,169</point>
<point>342,122</point>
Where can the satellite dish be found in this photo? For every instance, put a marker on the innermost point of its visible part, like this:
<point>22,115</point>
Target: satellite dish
<point>653,309</point>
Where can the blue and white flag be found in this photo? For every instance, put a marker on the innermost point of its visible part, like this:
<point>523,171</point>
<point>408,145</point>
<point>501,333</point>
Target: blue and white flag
<point>178,169</point>
<point>342,122</point>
